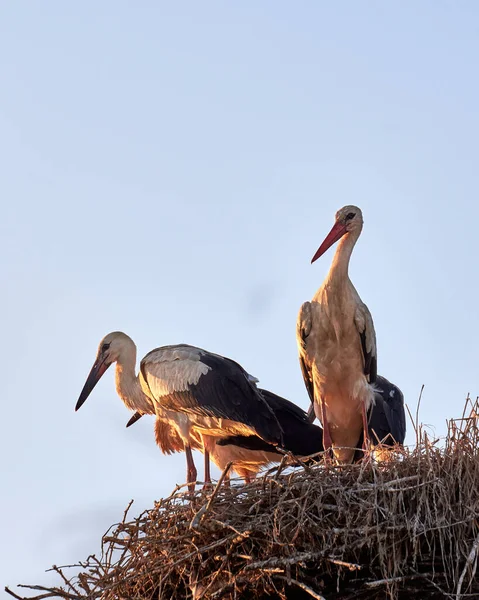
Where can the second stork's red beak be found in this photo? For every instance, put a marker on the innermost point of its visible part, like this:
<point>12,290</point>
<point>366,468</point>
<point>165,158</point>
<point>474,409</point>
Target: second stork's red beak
<point>337,232</point>
<point>93,378</point>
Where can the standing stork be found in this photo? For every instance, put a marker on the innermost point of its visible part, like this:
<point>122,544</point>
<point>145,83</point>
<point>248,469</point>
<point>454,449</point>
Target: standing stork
<point>337,345</point>
<point>196,391</point>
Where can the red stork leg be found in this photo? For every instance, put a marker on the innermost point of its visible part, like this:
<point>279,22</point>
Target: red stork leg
<point>207,440</point>
<point>207,470</point>
<point>191,472</point>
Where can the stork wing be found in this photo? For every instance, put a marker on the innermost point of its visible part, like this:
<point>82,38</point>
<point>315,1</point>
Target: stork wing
<point>304,440</point>
<point>388,418</point>
<point>365,327</point>
<point>303,329</point>
<point>193,381</point>
<point>248,442</point>
<point>284,408</point>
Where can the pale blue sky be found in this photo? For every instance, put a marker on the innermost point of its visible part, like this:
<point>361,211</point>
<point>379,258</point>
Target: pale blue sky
<point>169,169</point>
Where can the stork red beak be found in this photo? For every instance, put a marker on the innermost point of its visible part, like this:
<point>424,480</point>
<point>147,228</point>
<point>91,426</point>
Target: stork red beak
<point>134,419</point>
<point>337,232</point>
<point>93,378</point>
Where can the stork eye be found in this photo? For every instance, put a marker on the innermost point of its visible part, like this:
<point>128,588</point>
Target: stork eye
<point>350,216</point>
<point>105,347</point>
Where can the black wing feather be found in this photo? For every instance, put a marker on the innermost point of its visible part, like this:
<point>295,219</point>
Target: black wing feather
<point>308,382</point>
<point>284,408</point>
<point>303,440</point>
<point>301,335</point>
<point>299,436</point>
<point>387,420</point>
<point>248,442</point>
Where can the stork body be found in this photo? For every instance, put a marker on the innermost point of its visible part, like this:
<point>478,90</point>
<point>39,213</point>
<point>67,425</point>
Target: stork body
<point>337,345</point>
<point>249,453</point>
<point>194,391</point>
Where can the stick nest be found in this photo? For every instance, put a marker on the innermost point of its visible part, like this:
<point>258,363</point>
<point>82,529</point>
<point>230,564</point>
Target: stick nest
<point>403,529</point>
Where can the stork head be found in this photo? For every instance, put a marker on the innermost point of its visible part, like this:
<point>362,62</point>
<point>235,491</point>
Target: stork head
<point>349,219</point>
<point>111,348</point>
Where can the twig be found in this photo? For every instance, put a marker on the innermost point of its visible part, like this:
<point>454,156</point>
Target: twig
<point>303,586</point>
<point>9,591</point>
<point>417,409</point>
<point>381,582</point>
<point>205,509</point>
<point>343,563</point>
<point>470,559</point>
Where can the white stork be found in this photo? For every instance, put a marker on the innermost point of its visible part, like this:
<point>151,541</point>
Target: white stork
<point>196,391</point>
<point>337,345</point>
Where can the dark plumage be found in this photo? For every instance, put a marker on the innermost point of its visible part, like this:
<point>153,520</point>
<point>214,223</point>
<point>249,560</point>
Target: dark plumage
<point>387,419</point>
<point>300,437</point>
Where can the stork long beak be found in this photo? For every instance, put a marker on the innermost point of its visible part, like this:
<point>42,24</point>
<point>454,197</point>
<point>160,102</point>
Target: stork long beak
<point>100,366</point>
<point>337,232</point>
<point>134,419</point>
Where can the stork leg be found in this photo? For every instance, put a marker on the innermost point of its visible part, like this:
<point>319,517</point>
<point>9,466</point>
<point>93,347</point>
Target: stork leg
<point>208,442</point>
<point>191,472</point>
<point>207,470</point>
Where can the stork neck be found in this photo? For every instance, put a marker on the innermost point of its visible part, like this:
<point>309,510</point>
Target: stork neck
<point>340,265</point>
<point>128,385</point>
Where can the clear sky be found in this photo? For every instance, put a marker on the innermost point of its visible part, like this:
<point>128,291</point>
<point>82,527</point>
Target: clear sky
<point>169,169</point>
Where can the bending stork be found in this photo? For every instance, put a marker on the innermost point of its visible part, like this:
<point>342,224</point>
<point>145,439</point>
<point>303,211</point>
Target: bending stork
<point>197,392</point>
<point>337,345</point>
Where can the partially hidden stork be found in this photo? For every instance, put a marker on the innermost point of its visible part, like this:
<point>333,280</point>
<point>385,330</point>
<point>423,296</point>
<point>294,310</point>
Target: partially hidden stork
<point>197,392</point>
<point>249,453</point>
<point>387,418</point>
<point>337,345</point>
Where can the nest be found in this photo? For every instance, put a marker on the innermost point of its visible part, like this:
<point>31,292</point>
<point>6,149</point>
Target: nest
<point>405,528</point>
